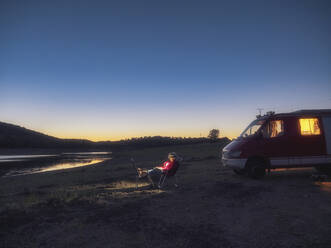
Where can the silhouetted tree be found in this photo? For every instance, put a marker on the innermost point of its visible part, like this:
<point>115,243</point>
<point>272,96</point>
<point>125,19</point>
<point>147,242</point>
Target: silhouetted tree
<point>213,134</point>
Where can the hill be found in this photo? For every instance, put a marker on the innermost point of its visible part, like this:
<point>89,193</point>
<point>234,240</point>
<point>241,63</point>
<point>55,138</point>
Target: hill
<point>13,136</point>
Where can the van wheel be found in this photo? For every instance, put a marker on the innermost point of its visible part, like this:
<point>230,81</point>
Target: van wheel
<point>324,169</point>
<point>256,169</point>
<point>240,171</point>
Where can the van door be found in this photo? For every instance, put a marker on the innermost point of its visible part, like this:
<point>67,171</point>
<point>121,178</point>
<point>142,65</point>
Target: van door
<point>275,143</point>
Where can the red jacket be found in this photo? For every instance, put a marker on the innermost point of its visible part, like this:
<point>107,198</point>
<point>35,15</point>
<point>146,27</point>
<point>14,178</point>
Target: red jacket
<point>167,165</point>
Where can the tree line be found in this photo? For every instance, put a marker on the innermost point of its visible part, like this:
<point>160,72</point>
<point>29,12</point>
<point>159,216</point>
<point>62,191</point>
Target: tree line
<point>12,136</point>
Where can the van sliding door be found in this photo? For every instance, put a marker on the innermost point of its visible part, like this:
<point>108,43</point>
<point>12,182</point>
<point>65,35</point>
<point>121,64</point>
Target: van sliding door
<point>310,143</point>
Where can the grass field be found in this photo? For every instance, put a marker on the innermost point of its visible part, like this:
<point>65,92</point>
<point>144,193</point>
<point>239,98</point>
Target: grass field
<point>99,206</point>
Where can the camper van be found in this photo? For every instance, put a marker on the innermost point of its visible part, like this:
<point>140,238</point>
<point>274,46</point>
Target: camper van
<point>286,140</point>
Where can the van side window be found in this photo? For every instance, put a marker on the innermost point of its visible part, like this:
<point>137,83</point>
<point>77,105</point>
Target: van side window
<point>274,128</point>
<point>309,126</point>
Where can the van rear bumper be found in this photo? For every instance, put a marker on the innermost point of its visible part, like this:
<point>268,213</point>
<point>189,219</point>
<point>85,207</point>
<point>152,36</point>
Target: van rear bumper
<point>234,163</point>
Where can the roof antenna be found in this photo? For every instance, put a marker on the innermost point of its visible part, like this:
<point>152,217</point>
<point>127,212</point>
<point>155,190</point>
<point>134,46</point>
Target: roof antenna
<point>260,112</point>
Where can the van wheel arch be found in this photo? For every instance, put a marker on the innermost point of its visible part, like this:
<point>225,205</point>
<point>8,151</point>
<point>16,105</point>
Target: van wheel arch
<point>256,166</point>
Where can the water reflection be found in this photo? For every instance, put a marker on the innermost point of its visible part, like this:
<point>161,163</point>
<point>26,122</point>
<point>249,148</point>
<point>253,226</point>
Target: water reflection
<point>16,165</point>
<point>88,153</point>
<point>58,166</point>
<point>9,158</point>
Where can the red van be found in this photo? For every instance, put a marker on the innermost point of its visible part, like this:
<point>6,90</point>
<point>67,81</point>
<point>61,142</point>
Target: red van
<point>297,139</point>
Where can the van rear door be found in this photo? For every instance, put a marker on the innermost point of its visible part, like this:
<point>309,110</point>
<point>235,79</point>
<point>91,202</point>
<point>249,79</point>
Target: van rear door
<point>327,133</point>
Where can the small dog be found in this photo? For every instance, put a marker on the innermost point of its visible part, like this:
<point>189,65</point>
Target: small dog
<point>142,172</point>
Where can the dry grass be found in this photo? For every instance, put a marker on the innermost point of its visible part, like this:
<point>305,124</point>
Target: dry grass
<point>99,206</point>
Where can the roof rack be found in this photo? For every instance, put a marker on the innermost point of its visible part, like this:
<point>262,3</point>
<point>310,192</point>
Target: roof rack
<point>270,113</point>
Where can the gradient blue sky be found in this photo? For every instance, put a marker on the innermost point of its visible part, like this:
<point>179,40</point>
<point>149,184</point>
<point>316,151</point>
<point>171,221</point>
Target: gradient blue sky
<point>116,69</point>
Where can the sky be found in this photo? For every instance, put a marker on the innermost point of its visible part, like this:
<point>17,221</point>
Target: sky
<point>110,70</point>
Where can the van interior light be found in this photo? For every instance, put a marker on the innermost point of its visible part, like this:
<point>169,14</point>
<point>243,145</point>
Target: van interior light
<point>309,126</point>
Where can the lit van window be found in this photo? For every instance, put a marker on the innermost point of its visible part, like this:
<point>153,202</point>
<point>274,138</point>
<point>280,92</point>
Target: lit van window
<point>309,126</point>
<point>274,129</point>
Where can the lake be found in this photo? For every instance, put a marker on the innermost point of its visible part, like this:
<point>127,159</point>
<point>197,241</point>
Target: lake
<point>17,165</point>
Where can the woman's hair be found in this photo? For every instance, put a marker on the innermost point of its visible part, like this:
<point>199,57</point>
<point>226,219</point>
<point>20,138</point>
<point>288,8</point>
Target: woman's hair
<point>172,155</point>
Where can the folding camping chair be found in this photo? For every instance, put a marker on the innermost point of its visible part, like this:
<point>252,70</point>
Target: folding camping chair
<point>168,175</point>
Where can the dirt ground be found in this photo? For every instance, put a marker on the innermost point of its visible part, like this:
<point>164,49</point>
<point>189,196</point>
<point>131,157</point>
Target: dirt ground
<point>99,206</point>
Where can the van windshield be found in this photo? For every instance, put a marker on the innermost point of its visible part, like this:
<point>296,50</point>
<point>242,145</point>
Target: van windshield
<point>252,128</point>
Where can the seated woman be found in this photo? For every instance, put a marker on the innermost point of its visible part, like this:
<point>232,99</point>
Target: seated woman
<point>159,170</point>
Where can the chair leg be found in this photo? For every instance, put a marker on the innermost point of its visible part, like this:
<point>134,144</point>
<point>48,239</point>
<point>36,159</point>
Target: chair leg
<point>176,181</point>
<point>137,182</point>
<point>162,180</point>
<point>150,179</point>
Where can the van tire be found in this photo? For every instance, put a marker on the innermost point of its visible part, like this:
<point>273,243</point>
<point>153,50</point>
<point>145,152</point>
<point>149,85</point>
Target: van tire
<point>256,168</point>
<point>240,171</point>
<point>324,169</point>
